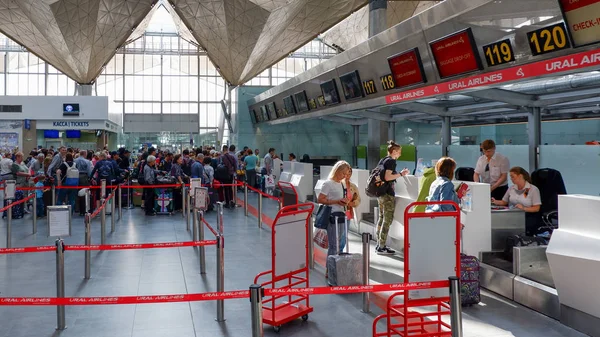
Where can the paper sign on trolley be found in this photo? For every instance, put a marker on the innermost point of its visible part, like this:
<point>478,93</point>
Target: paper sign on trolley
<point>59,221</point>
<point>200,198</point>
<point>10,189</point>
<point>195,183</point>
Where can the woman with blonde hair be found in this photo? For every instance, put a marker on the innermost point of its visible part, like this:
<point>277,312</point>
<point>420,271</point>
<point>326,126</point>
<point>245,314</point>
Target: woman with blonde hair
<point>332,194</point>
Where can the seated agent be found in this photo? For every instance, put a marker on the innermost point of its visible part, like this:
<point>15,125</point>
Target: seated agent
<point>492,168</point>
<point>524,196</point>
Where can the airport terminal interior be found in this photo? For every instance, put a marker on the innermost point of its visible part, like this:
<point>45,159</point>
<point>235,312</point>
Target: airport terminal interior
<point>299,168</point>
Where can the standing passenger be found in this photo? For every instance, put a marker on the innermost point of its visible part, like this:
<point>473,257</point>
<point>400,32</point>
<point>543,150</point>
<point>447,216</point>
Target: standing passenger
<point>150,179</point>
<point>387,202</point>
<point>442,188</point>
<point>492,168</point>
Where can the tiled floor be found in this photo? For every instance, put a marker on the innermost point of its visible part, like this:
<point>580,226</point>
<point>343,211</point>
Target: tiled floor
<point>176,270</point>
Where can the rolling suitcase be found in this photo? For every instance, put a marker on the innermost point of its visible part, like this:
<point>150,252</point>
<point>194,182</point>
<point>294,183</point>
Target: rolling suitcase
<point>344,269</point>
<point>17,211</point>
<point>470,291</point>
<point>164,201</point>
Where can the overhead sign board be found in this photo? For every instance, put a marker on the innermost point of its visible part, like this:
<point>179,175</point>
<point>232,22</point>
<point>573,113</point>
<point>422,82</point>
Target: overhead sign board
<point>548,39</point>
<point>583,20</point>
<point>407,68</point>
<point>456,54</point>
<point>577,61</point>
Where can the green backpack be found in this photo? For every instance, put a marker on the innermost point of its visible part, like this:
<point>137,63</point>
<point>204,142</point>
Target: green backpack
<point>424,185</point>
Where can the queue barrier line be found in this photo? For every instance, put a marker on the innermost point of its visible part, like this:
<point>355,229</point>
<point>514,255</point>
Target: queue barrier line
<point>126,186</point>
<point>22,201</point>
<point>211,296</point>
<point>210,227</point>
<point>122,246</point>
<point>104,204</point>
<point>263,193</point>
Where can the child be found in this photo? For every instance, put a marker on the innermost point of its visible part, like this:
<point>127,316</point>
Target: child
<point>39,196</point>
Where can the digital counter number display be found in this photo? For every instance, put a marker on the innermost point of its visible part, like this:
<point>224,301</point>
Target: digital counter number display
<point>387,82</point>
<point>548,39</point>
<point>369,87</point>
<point>456,54</point>
<point>498,53</point>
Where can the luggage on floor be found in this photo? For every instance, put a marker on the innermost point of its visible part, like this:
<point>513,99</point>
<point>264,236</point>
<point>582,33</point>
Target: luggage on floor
<point>344,269</point>
<point>163,203</point>
<point>17,211</point>
<point>213,195</point>
<point>470,292</point>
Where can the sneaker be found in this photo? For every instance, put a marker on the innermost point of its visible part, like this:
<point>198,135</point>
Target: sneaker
<point>385,251</point>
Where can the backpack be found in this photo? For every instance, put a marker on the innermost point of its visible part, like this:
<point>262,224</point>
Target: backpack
<point>105,171</point>
<point>376,185</point>
<point>222,172</point>
<point>140,174</point>
<point>72,175</point>
<point>186,167</point>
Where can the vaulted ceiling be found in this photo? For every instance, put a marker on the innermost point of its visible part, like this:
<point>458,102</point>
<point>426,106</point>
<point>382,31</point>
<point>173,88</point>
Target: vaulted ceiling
<point>242,37</point>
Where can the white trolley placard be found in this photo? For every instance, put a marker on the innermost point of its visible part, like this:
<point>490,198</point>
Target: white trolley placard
<point>200,198</point>
<point>10,189</point>
<point>195,183</point>
<point>59,221</point>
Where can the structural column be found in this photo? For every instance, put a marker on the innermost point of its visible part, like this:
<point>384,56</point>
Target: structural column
<point>534,131</point>
<point>446,134</point>
<point>392,130</point>
<point>377,134</point>
<point>356,129</point>
<point>84,89</point>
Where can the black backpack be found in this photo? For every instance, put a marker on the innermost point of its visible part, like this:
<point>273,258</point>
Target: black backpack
<point>186,167</point>
<point>105,171</point>
<point>222,172</point>
<point>376,186</point>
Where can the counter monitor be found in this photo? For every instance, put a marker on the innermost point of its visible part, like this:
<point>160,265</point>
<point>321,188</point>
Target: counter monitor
<point>498,53</point>
<point>548,39</point>
<point>264,113</point>
<point>456,54</point>
<point>290,108</point>
<point>407,68</point>
<point>272,110</point>
<point>301,101</point>
<point>583,20</point>
<point>351,85</point>
<point>330,92</point>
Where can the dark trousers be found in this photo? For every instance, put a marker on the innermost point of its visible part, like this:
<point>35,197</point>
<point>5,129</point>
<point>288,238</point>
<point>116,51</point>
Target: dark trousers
<point>177,205</point>
<point>228,191</point>
<point>499,192</point>
<point>149,198</point>
<point>251,178</point>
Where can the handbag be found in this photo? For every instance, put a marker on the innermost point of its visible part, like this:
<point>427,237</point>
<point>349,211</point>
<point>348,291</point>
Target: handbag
<point>321,239</point>
<point>322,219</point>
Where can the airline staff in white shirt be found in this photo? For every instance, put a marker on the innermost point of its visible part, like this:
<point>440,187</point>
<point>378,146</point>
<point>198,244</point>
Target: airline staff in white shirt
<point>492,168</point>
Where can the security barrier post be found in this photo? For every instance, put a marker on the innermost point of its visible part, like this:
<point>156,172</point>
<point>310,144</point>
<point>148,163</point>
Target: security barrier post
<point>220,278</point>
<point>34,213</point>
<point>87,201</point>
<point>119,196</point>
<point>260,202</point>
<point>311,247</point>
<point>53,195</point>
<point>256,295</point>
<point>189,208</point>
<point>220,227</point>
<point>366,253</point>
<point>102,212</point>
<point>9,226</point>
<point>201,234</point>
<point>112,213</point>
<point>246,199</point>
<point>60,283</point>
<point>88,242</point>
<point>195,227</point>
<point>455,307</point>
<point>183,198</point>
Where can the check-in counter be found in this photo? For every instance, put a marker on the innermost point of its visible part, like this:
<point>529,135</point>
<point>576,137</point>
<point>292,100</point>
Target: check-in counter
<point>286,173</point>
<point>302,179</point>
<point>506,222</point>
<point>574,259</point>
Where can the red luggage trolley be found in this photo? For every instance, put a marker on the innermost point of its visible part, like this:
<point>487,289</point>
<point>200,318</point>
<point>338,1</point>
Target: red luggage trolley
<point>289,260</point>
<point>431,253</point>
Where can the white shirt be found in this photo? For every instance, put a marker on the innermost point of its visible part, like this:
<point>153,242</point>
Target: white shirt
<point>515,196</point>
<point>334,191</point>
<point>498,165</point>
<point>6,166</point>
